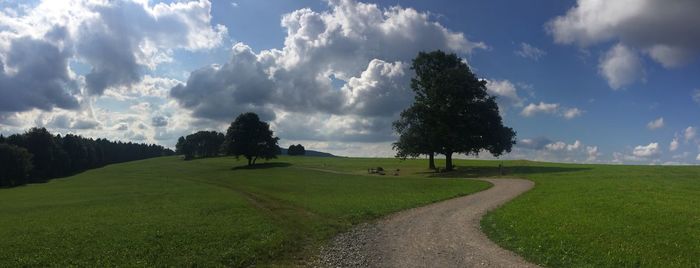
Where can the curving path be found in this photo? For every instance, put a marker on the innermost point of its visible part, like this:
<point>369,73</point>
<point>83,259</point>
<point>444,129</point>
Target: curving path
<point>444,234</point>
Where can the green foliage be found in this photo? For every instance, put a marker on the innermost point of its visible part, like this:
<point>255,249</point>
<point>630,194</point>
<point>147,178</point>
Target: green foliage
<point>200,144</point>
<point>251,138</point>
<point>452,112</point>
<point>165,212</point>
<point>56,156</point>
<point>16,165</point>
<point>296,150</point>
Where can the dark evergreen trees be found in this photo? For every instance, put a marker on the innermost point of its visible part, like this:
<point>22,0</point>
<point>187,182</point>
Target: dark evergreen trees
<point>15,165</point>
<point>452,112</point>
<point>296,150</point>
<point>251,138</point>
<point>55,156</point>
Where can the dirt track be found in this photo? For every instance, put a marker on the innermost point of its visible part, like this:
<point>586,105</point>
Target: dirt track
<point>444,234</point>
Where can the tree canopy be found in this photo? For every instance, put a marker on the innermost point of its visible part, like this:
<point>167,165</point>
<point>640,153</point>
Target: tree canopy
<point>200,144</point>
<point>296,150</point>
<point>452,112</point>
<point>251,138</point>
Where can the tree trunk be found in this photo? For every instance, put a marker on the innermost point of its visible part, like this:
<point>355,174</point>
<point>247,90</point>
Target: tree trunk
<point>255,159</point>
<point>448,161</point>
<point>431,161</point>
<point>249,161</point>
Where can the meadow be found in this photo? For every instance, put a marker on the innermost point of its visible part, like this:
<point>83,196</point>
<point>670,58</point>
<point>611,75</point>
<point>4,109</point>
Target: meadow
<point>209,212</point>
<point>205,212</point>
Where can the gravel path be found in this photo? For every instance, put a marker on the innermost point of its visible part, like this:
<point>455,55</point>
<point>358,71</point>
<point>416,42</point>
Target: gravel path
<point>444,234</point>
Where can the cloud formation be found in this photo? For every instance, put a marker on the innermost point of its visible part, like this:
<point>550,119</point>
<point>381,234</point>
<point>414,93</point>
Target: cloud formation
<point>115,40</point>
<point>620,66</point>
<point>530,52</point>
<point>533,109</point>
<point>656,124</point>
<point>348,64</point>
<point>665,31</point>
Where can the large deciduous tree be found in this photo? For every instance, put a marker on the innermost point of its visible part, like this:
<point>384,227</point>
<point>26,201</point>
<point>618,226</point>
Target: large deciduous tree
<point>452,112</point>
<point>251,138</point>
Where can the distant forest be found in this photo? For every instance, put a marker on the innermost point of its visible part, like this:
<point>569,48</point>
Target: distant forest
<point>37,155</point>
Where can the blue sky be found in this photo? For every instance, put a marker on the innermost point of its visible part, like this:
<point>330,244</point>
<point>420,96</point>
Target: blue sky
<point>580,81</point>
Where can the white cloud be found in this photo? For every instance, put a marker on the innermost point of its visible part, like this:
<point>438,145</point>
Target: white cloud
<point>543,149</point>
<point>697,157</point>
<point>689,133</point>
<point>116,39</point>
<point>504,89</point>
<point>645,151</point>
<point>673,145</point>
<point>530,52</point>
<point>533,109</point>
<point>620,66</point>
<point>572,113</point>
<point>593,153</point>
<point>556,146</point>
<point>666,31</point>
<point>346,69</point>
<point>656,124</point>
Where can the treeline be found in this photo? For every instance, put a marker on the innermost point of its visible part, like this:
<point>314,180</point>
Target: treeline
<point>200,144</point>
<point>37,155</point>
<point>247,136</point>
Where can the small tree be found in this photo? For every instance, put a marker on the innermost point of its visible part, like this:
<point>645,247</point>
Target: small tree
<point>251,138</point>
<point>296,150</point>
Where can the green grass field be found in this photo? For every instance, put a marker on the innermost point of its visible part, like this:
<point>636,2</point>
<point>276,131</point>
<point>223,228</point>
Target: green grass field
<point>168,212</point>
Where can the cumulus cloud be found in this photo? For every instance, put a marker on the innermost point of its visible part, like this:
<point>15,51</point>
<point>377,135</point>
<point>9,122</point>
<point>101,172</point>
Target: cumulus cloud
<point>537,143</point>
<point>620,66</point>
<point>645,151</point>
<point>673,145</point>
<point>542,148</point>
<point>666,31</point>
<point>159,121</point>
<point>116,39</point>
<point>689,133</point>
<point>656,124</point>
<point>530,52</point>
<point>572,113</point>
<point>35,75</point>
<point>533,109</point>
<point>593,153</point>
<point>505,90</point>
<point>348,65</point>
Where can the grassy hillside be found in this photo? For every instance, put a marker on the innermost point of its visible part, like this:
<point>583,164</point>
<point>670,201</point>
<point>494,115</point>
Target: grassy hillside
<point>603,216</point>
<point>169,212</point>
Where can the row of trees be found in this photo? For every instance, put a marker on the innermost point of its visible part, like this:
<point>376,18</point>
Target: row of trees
<point>37,155</point>
<point>247,136</point>
<point>452,113</point>
<point>296,150</point>
<point>200,144</point>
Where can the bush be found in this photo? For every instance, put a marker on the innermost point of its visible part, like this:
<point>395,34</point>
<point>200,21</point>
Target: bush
<point>16,165</point>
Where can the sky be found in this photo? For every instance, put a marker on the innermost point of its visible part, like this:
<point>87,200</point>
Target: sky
<point>584,81</point>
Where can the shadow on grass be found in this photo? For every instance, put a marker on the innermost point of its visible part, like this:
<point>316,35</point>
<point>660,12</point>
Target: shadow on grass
<point>263,166</point>
<point>478,172</point>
